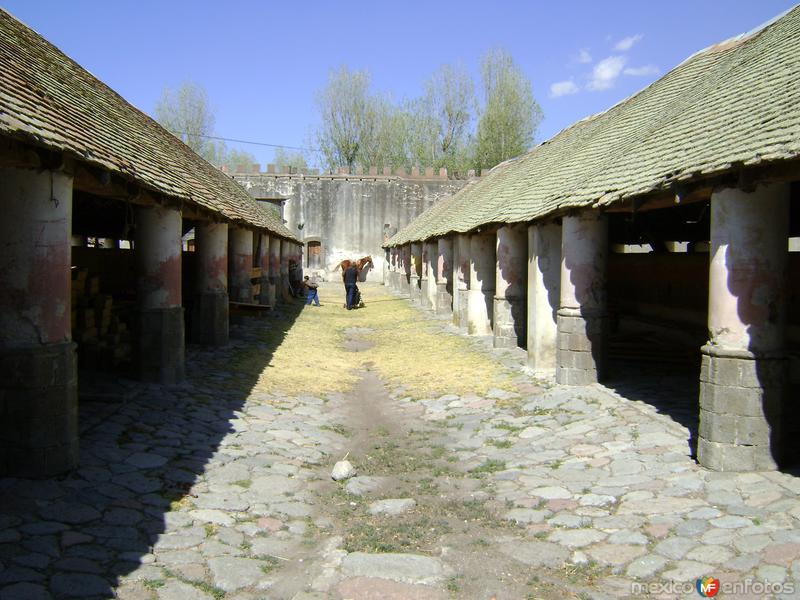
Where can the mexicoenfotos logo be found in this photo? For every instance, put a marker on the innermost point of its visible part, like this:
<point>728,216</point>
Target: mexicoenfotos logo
<point>707,587</point>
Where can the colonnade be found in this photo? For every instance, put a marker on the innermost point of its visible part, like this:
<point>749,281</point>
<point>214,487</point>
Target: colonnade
<point>38,388</point>
<point>542,286</point>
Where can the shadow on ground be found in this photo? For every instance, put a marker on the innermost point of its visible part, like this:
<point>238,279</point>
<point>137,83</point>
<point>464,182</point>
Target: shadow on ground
<point>142,450</point>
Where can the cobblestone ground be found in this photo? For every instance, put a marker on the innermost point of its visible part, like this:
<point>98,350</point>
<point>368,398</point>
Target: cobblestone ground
<point>218,489</point>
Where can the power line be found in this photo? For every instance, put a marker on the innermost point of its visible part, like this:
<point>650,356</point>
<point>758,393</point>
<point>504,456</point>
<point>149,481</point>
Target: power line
<point>224,139</point>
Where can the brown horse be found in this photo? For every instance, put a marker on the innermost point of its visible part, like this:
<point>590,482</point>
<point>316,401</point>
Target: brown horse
<point>362,264</point>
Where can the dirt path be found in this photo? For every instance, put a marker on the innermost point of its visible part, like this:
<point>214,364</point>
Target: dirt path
<point>456,516</point>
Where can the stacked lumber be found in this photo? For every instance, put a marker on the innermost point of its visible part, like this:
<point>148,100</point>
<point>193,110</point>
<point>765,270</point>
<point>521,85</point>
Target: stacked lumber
<point>99,325</point>
<point>255,281</point>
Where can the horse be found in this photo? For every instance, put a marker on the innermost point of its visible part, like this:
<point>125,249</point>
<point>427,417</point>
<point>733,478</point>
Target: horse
<point>361,265</point>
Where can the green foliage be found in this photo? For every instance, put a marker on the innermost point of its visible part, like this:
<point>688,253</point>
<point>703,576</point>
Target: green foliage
<point>237,161</point>
<point>294,160</point>
<point>361,128</point>
<point>440,120</point>
<point>186,113</point>
<point>349,117</point>
<point>511,115</point>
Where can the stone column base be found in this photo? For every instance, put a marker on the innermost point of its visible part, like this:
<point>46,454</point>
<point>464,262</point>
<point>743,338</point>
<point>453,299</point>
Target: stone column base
<point>38,410</point>
<point>161,345</point>
<point>413,289</point>
<point>741,397</point>
<point>284,288</point>
<point>404,284</point>
<point>424,300</point>
<point>210,319</point>
<point>263,296</point>
<point>581,348</point>
<point>444,300</point>
<point>509,322</point>
<point>460,315</point>
<point>272,291</point>
<point>479,312</point>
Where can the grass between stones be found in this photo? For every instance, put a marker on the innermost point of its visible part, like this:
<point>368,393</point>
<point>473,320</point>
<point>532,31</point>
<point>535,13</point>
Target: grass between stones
<point>419,474</point>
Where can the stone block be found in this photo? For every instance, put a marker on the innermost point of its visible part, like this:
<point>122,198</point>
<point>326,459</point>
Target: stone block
<point>38,417</point>
<point>444,299</point>
<point>717,427</point>
<point>575,376</point>
<point>161,345</point>
<point>210,318</point>
<point>751,402</point>
<point>727,457</point>
<point>744,372</point>
<point>583,360</point>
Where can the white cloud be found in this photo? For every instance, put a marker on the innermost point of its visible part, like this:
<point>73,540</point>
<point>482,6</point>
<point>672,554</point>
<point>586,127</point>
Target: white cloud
<point>606,72</point>
<point>584,57</point>
<point>642,71</point>
<point>563,88</point>
<point>627,43</point>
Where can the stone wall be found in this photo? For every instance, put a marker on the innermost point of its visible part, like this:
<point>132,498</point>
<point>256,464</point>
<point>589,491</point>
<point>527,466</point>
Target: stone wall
<point>349,215</point>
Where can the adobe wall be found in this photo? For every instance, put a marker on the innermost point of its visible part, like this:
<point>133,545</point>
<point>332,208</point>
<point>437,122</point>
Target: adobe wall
<point>350,213</point>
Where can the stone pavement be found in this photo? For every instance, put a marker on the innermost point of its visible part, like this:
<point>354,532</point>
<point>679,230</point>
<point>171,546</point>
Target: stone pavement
<point>215,490</point>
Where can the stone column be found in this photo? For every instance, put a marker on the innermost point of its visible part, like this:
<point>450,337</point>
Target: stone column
<point>38,379</point>
<point>416,273</point>
<point>460,279</point>
<point>393,283</point>
<point>444,276</point>
<point>544,289</point>
<point>405,268</point>
<point>274,275</point>
<point>161,326</point>
<point>210,311</point>
<point>240,259</point>
<point>263,263</point>
<point>582,314</point>
<point>387,258</point>
<point>481,283</point>
<point>284,281</point>
<point>432,260</point>
<point>297,257</point>
<point>511,272</point>
<point>743,374</point>
<point>424,298</point>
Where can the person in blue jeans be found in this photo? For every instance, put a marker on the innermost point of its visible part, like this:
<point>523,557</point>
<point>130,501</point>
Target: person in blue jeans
<point>311,291</point>
<point>350,282</point>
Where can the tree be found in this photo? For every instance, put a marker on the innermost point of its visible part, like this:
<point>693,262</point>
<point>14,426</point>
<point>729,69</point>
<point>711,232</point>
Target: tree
<point>238,161</point>
<point>349,117</point>
<point>186,113</point>
<point>442,119</point>
<point>295,160</point>
<point>511,114</point>
<point>386,141</point>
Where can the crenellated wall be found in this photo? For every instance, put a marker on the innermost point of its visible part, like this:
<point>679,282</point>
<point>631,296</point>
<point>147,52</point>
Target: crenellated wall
<point>349,215</point>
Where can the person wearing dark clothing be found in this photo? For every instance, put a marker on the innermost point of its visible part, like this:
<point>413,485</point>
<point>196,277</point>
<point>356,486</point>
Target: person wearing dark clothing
<point>350,282</point>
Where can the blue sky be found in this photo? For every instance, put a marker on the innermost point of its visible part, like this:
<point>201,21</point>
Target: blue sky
<point>262,62</point>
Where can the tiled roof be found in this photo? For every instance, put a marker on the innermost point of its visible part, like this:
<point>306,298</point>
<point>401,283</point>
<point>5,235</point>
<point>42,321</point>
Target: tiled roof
<point>47,99</point>
<point>736,104</point>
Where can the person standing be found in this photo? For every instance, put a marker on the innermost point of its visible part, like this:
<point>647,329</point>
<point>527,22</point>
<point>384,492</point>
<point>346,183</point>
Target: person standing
<point>350,282</point>
<point>312,294</point>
